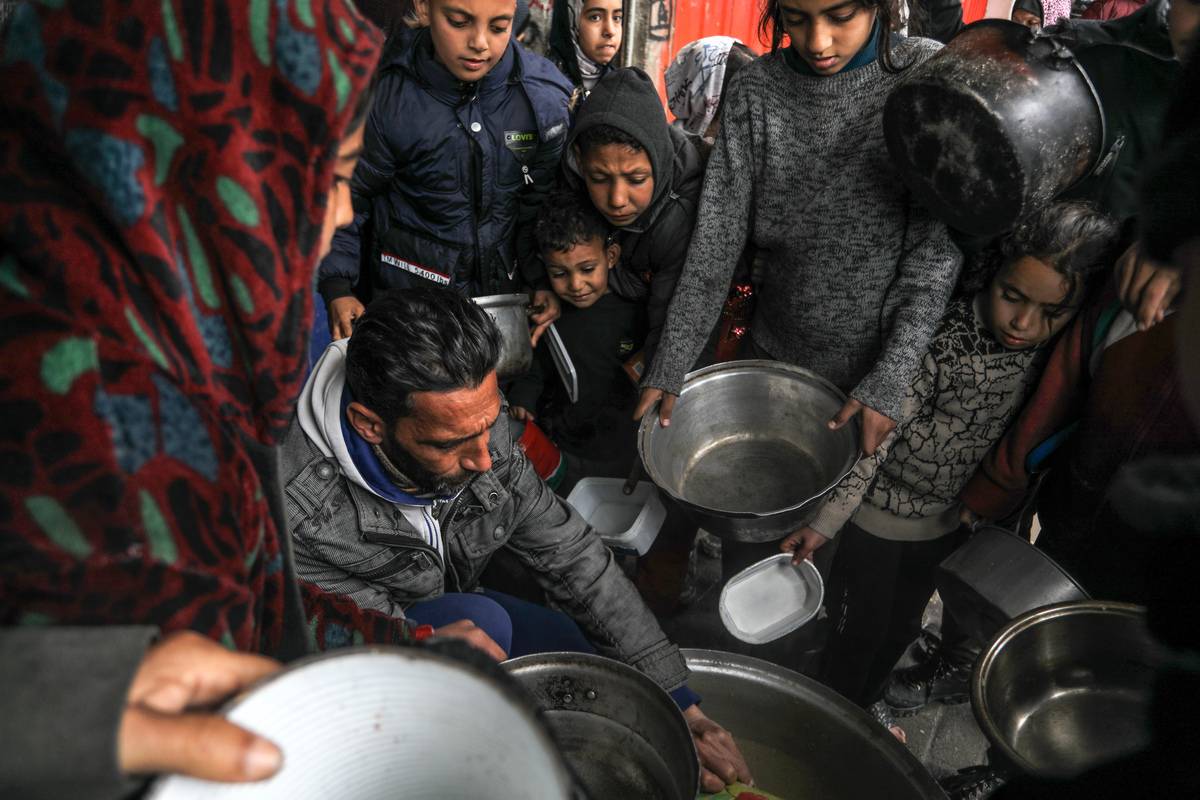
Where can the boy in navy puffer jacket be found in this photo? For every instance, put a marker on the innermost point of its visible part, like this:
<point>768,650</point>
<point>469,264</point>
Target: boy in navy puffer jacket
<point>461,146</point>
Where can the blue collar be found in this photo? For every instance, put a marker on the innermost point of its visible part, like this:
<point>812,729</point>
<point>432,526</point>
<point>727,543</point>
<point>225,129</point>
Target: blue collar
<point>368,463</point>
<point>441,80</point>
<point>865,56</point>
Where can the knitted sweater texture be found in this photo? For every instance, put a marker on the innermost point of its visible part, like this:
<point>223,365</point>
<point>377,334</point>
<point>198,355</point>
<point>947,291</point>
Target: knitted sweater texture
<point>855,275</point>
<point>966,393</point>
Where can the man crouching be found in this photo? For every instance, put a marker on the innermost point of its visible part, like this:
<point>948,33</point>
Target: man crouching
<point>402,481</point>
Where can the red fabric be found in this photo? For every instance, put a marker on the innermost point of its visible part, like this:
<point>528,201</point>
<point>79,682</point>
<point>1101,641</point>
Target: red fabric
<point>542,453</point>
<point>1112,9</point>
<point>1131,408</point>
<point>164,166</point>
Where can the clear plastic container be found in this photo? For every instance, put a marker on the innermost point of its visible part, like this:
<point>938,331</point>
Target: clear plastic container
<point>626,522</point>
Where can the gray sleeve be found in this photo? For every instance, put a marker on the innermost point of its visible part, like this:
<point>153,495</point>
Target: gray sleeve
<point>913,308</point>
<point>718,240</point>
<point>576,569</point>
<point>63,697</point>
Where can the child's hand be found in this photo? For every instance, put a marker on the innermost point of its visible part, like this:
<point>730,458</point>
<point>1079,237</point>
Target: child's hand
<point>1146,288</point>
<point>342,313</point>
<point>551,309</point>
<point>802,544</point>
<point>969,518</point>
<point>521,414</point>
<point>875,426</point>
<point>647,401</point>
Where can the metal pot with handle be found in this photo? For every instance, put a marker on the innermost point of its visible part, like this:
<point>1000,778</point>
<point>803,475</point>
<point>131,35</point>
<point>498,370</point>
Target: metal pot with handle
<point>997,123</point>
<point>508,311</point>
<point>996,576</point>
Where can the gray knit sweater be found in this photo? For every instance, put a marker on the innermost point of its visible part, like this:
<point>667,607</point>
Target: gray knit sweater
<point>855,275</point>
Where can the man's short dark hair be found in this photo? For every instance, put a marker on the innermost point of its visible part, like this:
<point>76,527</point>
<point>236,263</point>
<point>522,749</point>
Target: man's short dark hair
<point>418,340</point>
<point>600,135</point>
<point>566,220</point>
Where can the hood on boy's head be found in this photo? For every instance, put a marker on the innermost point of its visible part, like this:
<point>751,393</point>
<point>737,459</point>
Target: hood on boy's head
<point>627,100</point>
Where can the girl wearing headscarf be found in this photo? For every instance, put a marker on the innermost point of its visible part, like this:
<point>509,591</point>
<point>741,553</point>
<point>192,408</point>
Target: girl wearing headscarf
<point>585,36</point>
<point>697,78</point>
<point>1041,13</point>
<point>167,167</point>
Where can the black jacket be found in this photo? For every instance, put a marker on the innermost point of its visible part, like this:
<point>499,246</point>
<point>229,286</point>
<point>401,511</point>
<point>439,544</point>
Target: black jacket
<point>452,175</point>
<point>653,248</point>
<point>1129,61</point>
<point>599,340</point>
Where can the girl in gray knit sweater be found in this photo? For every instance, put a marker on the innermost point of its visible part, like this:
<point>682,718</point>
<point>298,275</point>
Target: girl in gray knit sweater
<point>898,511</point>
<point>854,274</point>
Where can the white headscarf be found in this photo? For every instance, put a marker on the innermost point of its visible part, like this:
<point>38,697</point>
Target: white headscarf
<point>589,71</point>
<point>694,82</point>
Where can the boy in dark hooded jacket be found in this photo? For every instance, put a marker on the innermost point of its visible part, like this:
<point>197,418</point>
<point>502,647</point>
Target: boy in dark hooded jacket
<point>645,178</point>
<point>460,149</point>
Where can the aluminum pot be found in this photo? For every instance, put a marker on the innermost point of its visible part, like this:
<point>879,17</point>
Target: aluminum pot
<point>618,730</point>
<point>1068,687</point>
<point>508,312</point>
<point>748,453</point>
<point>802,739</point>
<point>996,576</point>
<point>997,123</point>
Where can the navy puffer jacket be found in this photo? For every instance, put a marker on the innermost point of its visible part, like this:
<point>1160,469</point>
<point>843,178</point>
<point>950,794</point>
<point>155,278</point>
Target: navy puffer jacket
<point>452,174</point>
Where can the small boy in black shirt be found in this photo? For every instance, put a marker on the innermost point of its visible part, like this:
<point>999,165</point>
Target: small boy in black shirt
<point>600,331</point>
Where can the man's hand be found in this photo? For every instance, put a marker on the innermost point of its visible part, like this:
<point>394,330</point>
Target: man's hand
<point>665,401</point>
<point>721,763</point>
<point>472,634</point>
<point>551,309</point>
<point>165,727</point>
<point>1146,288</point>
<point>875,426</point>
<point>342,313</point>
<point>803,543</point>
<point>521,414</point>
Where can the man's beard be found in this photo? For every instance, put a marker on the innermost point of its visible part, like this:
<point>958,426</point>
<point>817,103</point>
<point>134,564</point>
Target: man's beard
<point>407,473</point>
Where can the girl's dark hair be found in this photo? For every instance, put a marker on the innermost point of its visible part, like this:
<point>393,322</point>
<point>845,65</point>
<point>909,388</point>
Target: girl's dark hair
<point>600,135</point>
<point>771,29</point>
<point>567,219</point>
<point>418,340</point>
<point>1075,238</point>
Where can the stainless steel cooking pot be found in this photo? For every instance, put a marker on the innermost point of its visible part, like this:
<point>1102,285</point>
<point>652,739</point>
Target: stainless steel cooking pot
<point>748,453</point>
<point>617,729</point>
<point>508,312</point>
<point>802,739</point>
<point>1068,687</point>
<point>996,124</point>
<point>996,576</point>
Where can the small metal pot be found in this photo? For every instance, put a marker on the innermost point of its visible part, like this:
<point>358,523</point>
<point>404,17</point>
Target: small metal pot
<point>1068,687</point>
<point>996,576</point>
<point>748,453</point>
<point>508,312</point>
<point>996,124</point>
<point>618,730</point>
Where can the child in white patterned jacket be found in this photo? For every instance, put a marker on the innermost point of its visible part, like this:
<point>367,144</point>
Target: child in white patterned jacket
<point>898,511</point>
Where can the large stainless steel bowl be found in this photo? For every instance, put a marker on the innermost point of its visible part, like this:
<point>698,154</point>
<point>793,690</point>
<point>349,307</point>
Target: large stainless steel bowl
<point>621,734</point>
<point>802,739</point>
<point>508,312</point>
<point>748,452</point>
<point>1067,687</point>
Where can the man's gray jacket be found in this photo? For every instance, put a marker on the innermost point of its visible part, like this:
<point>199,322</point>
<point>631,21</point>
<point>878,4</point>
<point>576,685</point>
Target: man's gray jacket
<point>350,541</point>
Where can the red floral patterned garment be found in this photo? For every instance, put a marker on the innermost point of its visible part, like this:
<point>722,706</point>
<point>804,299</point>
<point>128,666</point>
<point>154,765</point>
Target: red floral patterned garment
<point>163,172</point>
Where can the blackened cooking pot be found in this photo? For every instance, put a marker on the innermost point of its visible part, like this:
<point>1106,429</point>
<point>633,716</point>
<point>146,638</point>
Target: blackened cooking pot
<point>997,124</point>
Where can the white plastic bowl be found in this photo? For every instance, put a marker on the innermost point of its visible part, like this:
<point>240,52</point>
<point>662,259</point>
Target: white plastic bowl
<point>626,522</point>
<point>366,724</point>
<point>770,599</point>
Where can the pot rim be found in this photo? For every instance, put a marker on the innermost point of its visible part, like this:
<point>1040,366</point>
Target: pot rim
<point>501,300</point>
<point>1011,631</point>
<point>697,378</point>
